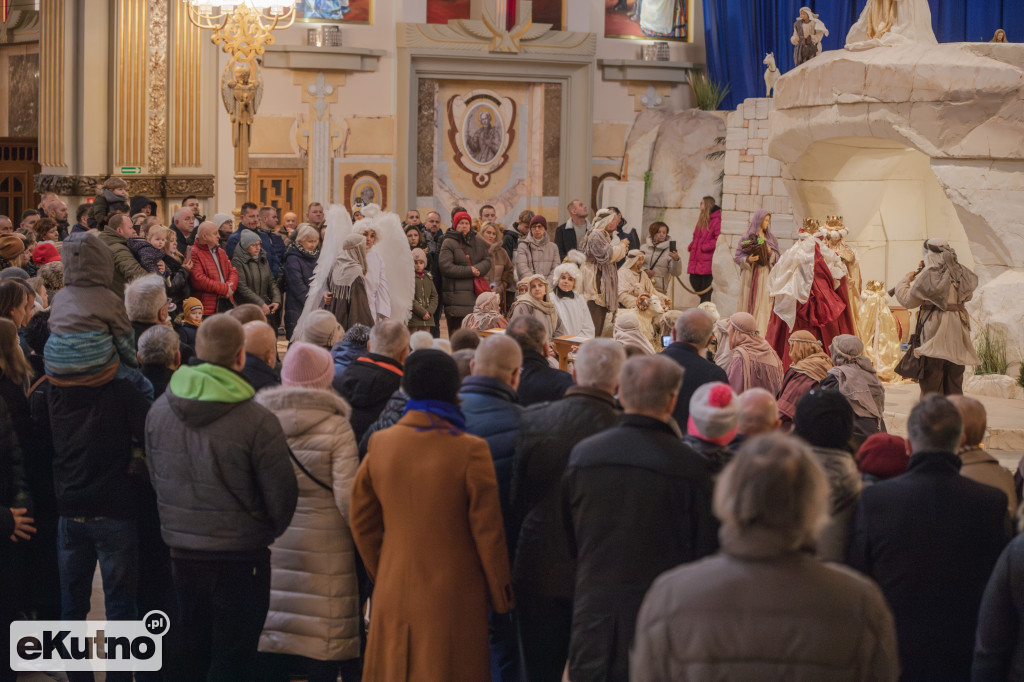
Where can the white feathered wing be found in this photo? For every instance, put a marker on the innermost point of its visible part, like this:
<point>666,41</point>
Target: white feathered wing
<point>393,248</point>
<point>339,226</point>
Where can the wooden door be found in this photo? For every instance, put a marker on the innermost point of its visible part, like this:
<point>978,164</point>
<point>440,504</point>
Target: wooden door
<point>277,187</point>
<point>19,164</point>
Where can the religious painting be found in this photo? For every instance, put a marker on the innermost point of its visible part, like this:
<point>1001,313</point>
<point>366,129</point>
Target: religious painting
<point>443,11</point>
<point>481,129</point>
<point>550,12</point>
<point>364,188</point>
<point>648,19</point>
<point>23,97</point>
<point>334,11</point>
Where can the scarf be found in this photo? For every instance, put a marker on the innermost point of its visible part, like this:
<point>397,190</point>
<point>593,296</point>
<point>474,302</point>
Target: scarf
<point>815,364</point>
<point>442,410</point>
<point>486,313</point>
<point>597,247</point>
<point>746,342</point>
<point>627,332</point>
<point>349,266</point>
<point>543,305</point>
<point>856,376</point>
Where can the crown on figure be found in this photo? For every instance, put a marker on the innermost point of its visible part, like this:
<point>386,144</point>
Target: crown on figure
<point>834,222</point>
<point>811,225</point>
<point>875,285</point>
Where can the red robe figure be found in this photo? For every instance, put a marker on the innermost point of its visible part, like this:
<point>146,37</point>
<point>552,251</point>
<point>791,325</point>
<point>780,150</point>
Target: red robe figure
<point>809,287</point>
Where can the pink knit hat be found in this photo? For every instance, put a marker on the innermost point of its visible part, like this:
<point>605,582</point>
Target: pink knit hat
<point>307,366</point>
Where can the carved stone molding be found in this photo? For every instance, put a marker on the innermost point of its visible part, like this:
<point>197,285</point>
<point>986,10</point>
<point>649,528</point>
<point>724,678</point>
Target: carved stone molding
<point>153,186</point>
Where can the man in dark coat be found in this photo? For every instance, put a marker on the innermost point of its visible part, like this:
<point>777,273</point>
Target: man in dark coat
<point>260,355</point>
<point>569,235</point>
<point>543,571</point>
<point>433,235</point>
<point>637,503</point>
<point>930,539</point>
<point>690,337</point>
<point>489,403</point>
<point>539,380</point>
<point>370,381</point>
<point>250,220</point>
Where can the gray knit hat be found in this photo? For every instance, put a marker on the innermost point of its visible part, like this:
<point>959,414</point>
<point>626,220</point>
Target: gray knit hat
<point>714,413</point>
<point>248,238</point>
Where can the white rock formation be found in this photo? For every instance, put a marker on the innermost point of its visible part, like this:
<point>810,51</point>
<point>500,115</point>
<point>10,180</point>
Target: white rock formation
<point>913,142</point>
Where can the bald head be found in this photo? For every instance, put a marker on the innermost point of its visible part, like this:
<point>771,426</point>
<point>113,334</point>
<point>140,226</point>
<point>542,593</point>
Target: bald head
<point>694,326</point>
<point>759,413</point>
<point>220,340</point>
<point>498,357</point>
<point>206,233</point>
<point>184,220</point>
<point>261,341</point>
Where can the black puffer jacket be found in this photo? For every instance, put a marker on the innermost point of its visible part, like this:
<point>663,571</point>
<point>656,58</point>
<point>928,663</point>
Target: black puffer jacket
<point>367,385</point>
<point>458,293</point>
<point>714,455</point>
<point>547,434</point>
<point>389,416</point>
<point>298,271</point>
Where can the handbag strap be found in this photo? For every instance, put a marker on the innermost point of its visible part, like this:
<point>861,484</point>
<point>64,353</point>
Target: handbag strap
<point>306,471</point>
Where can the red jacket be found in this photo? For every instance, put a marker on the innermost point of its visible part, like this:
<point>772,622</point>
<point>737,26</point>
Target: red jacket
<point>206,283</point>
<point>702,248</point>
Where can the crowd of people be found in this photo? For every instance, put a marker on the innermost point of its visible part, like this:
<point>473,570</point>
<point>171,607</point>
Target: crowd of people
<point>380,503</point>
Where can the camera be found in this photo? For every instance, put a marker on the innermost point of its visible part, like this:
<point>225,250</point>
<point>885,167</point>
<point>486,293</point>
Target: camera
<point>672,245</point>
<point>666,340</point>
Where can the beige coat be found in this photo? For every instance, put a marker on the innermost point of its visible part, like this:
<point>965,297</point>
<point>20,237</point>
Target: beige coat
<point>314,594</point>
<point>758,612</point>
<point>982,467</point>
<point>427,522</point>
<point>656,258</point>
<point>944,336</point>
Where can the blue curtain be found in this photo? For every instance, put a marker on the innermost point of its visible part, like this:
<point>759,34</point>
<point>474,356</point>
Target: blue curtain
<point>739,33</point>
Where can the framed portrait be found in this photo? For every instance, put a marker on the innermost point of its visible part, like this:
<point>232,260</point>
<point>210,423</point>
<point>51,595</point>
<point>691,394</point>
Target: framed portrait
<point>366,187</point>
<point>443,11</point>
<point>481,128</point>
<point>648,19</point>
<point>334,11</point>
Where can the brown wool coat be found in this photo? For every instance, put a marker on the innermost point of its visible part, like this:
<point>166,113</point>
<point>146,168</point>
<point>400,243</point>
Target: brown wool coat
<point>441,559</point>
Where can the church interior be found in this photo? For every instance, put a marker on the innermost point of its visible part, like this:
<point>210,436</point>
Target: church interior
<point>864,128</point>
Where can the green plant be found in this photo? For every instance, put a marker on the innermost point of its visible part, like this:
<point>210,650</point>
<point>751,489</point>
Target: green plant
<point>707,92</point>
<point>716,155</point>
<point>1020,375</point>
<point>647,182</point>
<point>991,347</point>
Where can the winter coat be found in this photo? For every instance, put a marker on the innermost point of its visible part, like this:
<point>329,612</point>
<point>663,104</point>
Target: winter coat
<point>298,272</point>
<point>86,303</point>
<point>566,240</point>
<point>978,465</point>
<point>145,253</point>
<point>492,412</point>
<point>126,268</point>
<point>637,502</point>
<point>393,410</point>
<point>715,456</point>
<point>540,381</point>
<point>256,282</point>
<point>138,201</point>
<point>424,302</point>
<point>702,246</point>
<point>510,242</point>
<point>457,292</point>
<point>14,491</point>
<point>999,645</point>
<point>437,490</point>
<point>314,594</point>
<point>366,385</point>
<point>930,539</point>
<point>760,611</point>
<point>176,280</point>
<point>503,275</point>
<point>266,247</point>
<point>93,430</point>
<point>219,464</point>
<point>536,257</point>
<point>656,258</point>
<point>344,354</point>
<point>844,484</point>
<point>102,204</point>
<point>207,284</point>
<point>697,372</point>
<point>547,434</point>
<point>187,334</point>
<point>259,374</point>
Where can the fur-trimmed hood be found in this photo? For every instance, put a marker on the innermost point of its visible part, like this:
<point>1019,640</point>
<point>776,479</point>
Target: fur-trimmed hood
<point>300,409</point>
<point>573,271</point>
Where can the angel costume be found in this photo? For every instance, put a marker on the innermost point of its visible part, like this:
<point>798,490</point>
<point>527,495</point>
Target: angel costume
<point>572,309</point>
<point>880,332</point>
<point>809,292</point>
<point>754,297</point>
<point>890,23</point>
<point>390,275</point>
<point>350,300</point>
<point>807,36</point>
<point>542,310</point>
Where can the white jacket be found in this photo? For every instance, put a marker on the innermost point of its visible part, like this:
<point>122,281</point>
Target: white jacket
<point>314,594</point>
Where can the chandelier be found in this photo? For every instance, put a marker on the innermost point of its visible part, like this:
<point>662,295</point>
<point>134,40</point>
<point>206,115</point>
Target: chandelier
<point>241,27</point>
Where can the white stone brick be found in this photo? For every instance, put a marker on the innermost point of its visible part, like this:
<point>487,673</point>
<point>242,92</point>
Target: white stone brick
<point>746,168</point>
<point>779,188</point>
<point>761,108</point>
<point>745,202</point>
<point>736,184</point>
<point>754,153</point>
<point>764,186</point>
<point>736,138</point>
<point>749,109</point>
<point>732,162</point>
<point>762,166</point>
<point>728,202</point>
<point>735,222</point>
<point>777,204</point>
<point>734,119</point>
<point>755,144</point>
